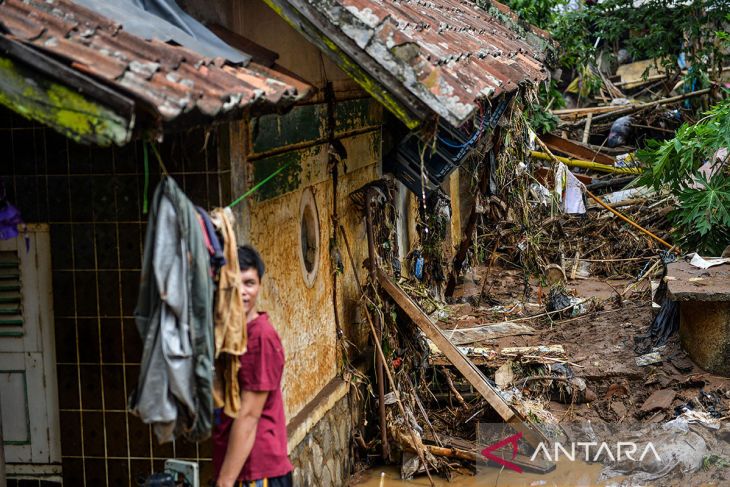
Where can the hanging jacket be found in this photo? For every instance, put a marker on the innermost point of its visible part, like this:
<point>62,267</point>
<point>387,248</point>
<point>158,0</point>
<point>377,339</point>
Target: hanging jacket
<point>174,317</point>
<point>230,319</point>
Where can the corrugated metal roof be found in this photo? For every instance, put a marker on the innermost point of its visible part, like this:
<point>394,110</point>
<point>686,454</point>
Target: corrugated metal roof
<point>448,54</point>
<point>182,87</point>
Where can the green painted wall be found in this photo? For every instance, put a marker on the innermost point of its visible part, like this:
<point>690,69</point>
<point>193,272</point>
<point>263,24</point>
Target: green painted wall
<point>297,141</point>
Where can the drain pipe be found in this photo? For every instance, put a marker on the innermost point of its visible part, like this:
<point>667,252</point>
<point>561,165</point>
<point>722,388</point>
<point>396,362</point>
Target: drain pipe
<point>372,263</point>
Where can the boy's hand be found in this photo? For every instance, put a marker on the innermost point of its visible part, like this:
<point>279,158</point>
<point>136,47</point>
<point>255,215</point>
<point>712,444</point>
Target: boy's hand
<point>225,483</point>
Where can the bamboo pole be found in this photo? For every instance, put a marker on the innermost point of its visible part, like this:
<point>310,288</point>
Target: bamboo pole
<point>585,164</point>
<point>636,108</point>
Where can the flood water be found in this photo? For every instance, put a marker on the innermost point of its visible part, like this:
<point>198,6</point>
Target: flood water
<point>566,474</point>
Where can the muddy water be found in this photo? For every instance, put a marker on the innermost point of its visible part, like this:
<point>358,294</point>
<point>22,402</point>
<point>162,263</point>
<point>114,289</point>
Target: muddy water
<point>567,474</point>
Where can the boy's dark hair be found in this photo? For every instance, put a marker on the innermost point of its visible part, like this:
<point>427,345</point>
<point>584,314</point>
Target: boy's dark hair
<point>249,258</point>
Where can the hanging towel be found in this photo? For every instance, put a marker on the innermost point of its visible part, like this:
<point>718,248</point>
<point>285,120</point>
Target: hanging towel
<point>230,319</point>
<point>174,317</point>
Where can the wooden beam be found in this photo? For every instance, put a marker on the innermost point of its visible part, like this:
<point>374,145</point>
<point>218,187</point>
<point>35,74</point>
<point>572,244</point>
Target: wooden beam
<point>575,150</point>
<point>470,372</point>
<point>521,460</point>
<point>39,88</point>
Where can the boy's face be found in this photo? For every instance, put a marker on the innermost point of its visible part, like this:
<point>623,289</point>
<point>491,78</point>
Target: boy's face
<point>250,285</point>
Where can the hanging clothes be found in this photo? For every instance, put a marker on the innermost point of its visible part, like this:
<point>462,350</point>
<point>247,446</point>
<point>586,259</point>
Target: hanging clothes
<point>217,259</point>
<point>174,317</point>
<point>230,319</point>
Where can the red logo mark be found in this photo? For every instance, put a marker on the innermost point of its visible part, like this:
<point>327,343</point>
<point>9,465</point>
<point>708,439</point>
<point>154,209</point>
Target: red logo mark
<point>487,452</point>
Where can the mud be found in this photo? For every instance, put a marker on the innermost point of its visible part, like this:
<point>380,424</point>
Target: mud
<point>601,347</point>
<point>575,474</point>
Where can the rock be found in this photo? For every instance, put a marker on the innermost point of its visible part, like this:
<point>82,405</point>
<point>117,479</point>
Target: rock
<point>326,479</point>
<point>617,390</point>
<point>619,409</point>
<point>344,431</point>
<point>317,457</point>
<point>682,363</point>
<point>504,375</point>
<point>661,399</point>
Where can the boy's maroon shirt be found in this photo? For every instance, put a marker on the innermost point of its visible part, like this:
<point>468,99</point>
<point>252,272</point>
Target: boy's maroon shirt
<point>261,370</point>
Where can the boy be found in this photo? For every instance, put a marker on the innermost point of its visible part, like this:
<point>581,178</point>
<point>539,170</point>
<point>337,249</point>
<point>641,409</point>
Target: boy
<point>251,450</point>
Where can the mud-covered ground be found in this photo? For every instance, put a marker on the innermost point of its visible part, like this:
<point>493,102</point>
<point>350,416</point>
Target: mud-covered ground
<point>601,347</point>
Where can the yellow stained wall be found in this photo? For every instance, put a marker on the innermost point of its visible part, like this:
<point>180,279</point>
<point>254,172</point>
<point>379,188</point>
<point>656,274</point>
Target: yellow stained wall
<point>304,317</point>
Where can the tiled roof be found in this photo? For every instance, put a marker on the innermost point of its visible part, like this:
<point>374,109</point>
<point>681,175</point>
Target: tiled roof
<point>434,56</point>
<point>182,87</point>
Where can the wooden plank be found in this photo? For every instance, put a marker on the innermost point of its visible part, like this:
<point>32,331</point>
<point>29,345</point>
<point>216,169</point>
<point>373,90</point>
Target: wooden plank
<point>470,372</point>
<point>575,150</point>
<point>464,336</point>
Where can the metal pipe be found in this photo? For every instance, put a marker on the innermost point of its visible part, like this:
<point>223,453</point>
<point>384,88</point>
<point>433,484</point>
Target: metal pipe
<point>372,265</point>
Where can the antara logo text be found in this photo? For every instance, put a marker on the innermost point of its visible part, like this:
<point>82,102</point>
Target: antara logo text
<point>622,451</point>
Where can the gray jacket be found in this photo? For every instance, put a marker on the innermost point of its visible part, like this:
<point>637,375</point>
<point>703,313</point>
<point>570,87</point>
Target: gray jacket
<point>174,317</point>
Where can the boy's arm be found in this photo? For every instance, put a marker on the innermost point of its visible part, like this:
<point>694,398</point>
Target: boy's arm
<point>242,436</point>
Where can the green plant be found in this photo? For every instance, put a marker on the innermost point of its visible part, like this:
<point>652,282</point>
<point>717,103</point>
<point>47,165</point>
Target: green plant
<point>704,215</point>
<point>702,220</point>
<point>541,13</point>
<point>654,29</point>
<point>714,461</point>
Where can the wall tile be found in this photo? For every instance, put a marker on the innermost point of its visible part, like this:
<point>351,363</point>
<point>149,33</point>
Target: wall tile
<point>127,160</point>
<point>90,389</point>
<point>26,197</point>
<point>88,330</point>
<point>83,246</point>
<point>79,157</point>
<point>65,336</point>
<point>92,198</point>
<point>129,193</point>
<point>130,290</point>
<point>68,386</point>
<point>132,341</point>
<point>141,469</point>
<point>105,238</point>
<point>119,472</point>
<point>61,248</point>
<point>116,435</point>
<point>59,199</point>
<point>130,244</point>
<point>139,438</point>
<point>73,471</point>
<point>81,199</point>
<point>103,199</point>
<point>63,293</point>
<point>93,434</point>
<point>57,153</point>
<point>114,397</point>
<point>163,450</point>
<point>85,293</point>
<point>71,435</point>
<point>27,144</point>
<point>95,471</point>
<point>111,341</point>
<point>109,300</point>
